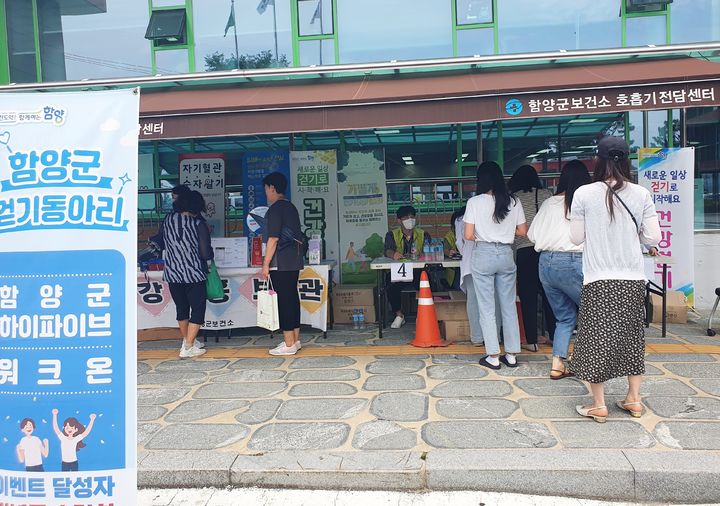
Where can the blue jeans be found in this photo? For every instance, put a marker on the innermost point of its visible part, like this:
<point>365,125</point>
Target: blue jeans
<point>494,276</point>
<point>473,311</point>
<point>562,278</point>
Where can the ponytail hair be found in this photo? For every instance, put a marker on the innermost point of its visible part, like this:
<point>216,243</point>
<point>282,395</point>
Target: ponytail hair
<point>617,168</point>
<point>574,175</point>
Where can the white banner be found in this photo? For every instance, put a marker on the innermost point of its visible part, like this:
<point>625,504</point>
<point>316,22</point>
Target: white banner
<point>205,172</point>
<point>238,309</point>
<point>669,175</point>
<point>363,213</point>
<point>313,180</point>
<point>68,253</point>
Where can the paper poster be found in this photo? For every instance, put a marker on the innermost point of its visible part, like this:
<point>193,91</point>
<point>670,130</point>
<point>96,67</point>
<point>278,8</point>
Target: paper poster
<point>205,172</point>
<point>362,196</point>
<point>237,309</point>
<point>668,173</point>
<point>256,165</point>
<point>68,253</point>
<point>314,191</point>
<point>230,251</point>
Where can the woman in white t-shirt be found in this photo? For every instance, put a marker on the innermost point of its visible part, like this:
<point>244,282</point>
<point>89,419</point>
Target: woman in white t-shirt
<point>71,439</point>
<point>560,265</point>
<point>492,219</point>
<point>612,216</point>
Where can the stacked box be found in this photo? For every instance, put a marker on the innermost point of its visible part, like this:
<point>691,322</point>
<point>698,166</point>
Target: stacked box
<point>347,298</point>
<point>451,311</point>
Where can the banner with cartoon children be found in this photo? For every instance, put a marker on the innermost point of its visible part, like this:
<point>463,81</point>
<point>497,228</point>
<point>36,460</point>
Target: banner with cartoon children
<point>68,235</point>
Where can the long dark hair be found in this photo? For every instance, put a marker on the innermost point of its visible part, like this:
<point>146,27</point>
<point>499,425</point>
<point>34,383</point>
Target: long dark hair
<point>73,422</point>
<point>574,175</point>
<point>618,169</point>
<point>490,178</point>
<point>455,216</point>
<point>525,178</point>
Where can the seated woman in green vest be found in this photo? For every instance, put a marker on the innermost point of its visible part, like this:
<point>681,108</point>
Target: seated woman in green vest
<point>404,242</point>
<point>450,248</point>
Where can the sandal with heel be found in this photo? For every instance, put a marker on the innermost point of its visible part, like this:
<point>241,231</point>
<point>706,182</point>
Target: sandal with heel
<point>624,406</point>
<point>587,412</point>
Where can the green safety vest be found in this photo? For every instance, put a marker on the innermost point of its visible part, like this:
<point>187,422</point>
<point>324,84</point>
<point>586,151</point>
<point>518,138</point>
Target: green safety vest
<point>450,240</point>
<point>418,237</point>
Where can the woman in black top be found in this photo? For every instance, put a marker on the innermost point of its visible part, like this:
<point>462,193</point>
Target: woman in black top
<point>187,251</point>
<point>284,253</point>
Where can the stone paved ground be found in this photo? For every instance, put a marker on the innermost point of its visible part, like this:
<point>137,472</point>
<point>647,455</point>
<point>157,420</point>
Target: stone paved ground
<point>355,412</point>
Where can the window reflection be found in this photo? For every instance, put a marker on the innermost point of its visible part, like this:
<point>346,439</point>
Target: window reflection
<point>645,30</point>
<point>317,52</point>
<point>315,17</point>
<point>382,30</point>
<point>475,41</point>
<point>256,35</point>
<point>172,61</point>
<point>97,39</point>
<point>528,25</point>
<point>21,42</point>
<point>695,21</point>
<point>474,11</point>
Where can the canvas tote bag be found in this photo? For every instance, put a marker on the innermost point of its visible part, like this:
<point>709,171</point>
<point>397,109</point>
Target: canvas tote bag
<point>267,308</point>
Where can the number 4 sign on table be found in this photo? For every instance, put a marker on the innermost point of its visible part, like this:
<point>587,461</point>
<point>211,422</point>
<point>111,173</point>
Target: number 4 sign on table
<point>401,272</point>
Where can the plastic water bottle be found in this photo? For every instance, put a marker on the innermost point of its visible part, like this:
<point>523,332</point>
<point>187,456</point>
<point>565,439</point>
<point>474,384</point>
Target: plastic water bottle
<point>426,250</point>
<point>361,319</point>
<point>355,319</point>
<point>413,251</point>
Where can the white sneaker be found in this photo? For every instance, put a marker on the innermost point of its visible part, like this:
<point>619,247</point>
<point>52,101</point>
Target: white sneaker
<point>398,322</point>
<point>283,349</point>
<point>197,344</point>
<point>298,345</point>
<point>191,352</point>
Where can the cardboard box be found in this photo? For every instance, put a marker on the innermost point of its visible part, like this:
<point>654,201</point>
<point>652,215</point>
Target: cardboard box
<point>354,295</point>
<point>451,310</point>
<point>676,308</point>
<point>455,330</point>
<point>344,314</point>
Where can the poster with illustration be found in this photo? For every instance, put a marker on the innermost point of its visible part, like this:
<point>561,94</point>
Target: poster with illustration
<point>68,235</point>
<point>362,196</point>
<point>256,165</point>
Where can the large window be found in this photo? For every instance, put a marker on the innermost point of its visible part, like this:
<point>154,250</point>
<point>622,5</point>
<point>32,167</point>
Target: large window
<point>645,30</point>
<point>383,30</point>
<point>695,21</point>
<point>21,41</point>
<point>703,133</point>
<point>551,25</point>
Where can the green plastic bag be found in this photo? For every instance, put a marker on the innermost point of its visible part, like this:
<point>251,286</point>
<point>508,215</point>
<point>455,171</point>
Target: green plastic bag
<point>213,284</point>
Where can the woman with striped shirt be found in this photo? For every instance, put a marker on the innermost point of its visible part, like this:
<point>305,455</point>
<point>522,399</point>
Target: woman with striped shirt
<point>186,253</point>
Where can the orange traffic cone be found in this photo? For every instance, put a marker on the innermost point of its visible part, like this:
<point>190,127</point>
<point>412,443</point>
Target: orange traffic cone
<point>427,330</point>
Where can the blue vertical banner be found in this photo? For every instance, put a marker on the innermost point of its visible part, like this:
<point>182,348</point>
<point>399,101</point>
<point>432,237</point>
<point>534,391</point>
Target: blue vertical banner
<point>256,165</point>
<point>68,252</point>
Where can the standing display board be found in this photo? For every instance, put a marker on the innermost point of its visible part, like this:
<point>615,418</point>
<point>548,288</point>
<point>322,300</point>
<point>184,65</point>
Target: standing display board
<point>668,173</point>
<point>313,176</point>
<point>205,172</point>
<point>256,165</point>
<point>362,196</point>
<point>68,253</point>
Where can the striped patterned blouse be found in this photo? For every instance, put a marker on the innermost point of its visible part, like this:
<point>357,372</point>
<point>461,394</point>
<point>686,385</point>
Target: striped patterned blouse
<point>187,248</point>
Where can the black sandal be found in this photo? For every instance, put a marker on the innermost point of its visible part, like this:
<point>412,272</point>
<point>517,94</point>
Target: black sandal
<point>505,361</point>
<point>483,362</point>
<point>564,374</point>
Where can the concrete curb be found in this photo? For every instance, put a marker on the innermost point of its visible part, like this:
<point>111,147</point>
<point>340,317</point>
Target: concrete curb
<point>688,477</point>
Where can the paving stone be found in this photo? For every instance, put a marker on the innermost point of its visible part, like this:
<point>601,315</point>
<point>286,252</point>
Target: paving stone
<point>197,437</point>
<point>165,344</point>
<point>400,406</point>
<point>172,378</point>
<point>527,370</point>
<point>191,365</point>
<point>689,435</point>
<point>267,341</point>
<point>703,408</point>
<point>257,363</point>
<point>321,362</point>
<point>394,366</point>
<point>244,375</point>
<point>685,329</point>
<point>149,413</point>
<point>707,341</point>
<point>383,435</point>
<point>394,382</point>
<point>692,478</point>
<point>651,370</point>
<point>679,357</point>
<point>320,409</point>
<point>143,368</point>
<point>618,434</point>
<point>471,388</point>
<point>695,370</point>
<point>650,386</point>
<point>324,375</point>
<point>155,396</point>
<point>560,407</point>
<point>330,470</point>
<point>186,469</point>
<point>475,408</point>
<point>146,431</point>
<point>542,387</point>
<point>392,340</point>
<point>401,357</point>
<point>487,434</point>
<point>710,386</point>
<point>457,359</point>
<point>321,390</point>
<point>192,411</point>
<point>259,412</point>
<point>299,436</point>
<point>561,473</point>
<point>533,357</point>
<point>240,390</point>
<point>455,372</point>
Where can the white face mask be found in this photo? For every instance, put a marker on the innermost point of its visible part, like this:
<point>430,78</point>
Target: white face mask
<point>409,223</point>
